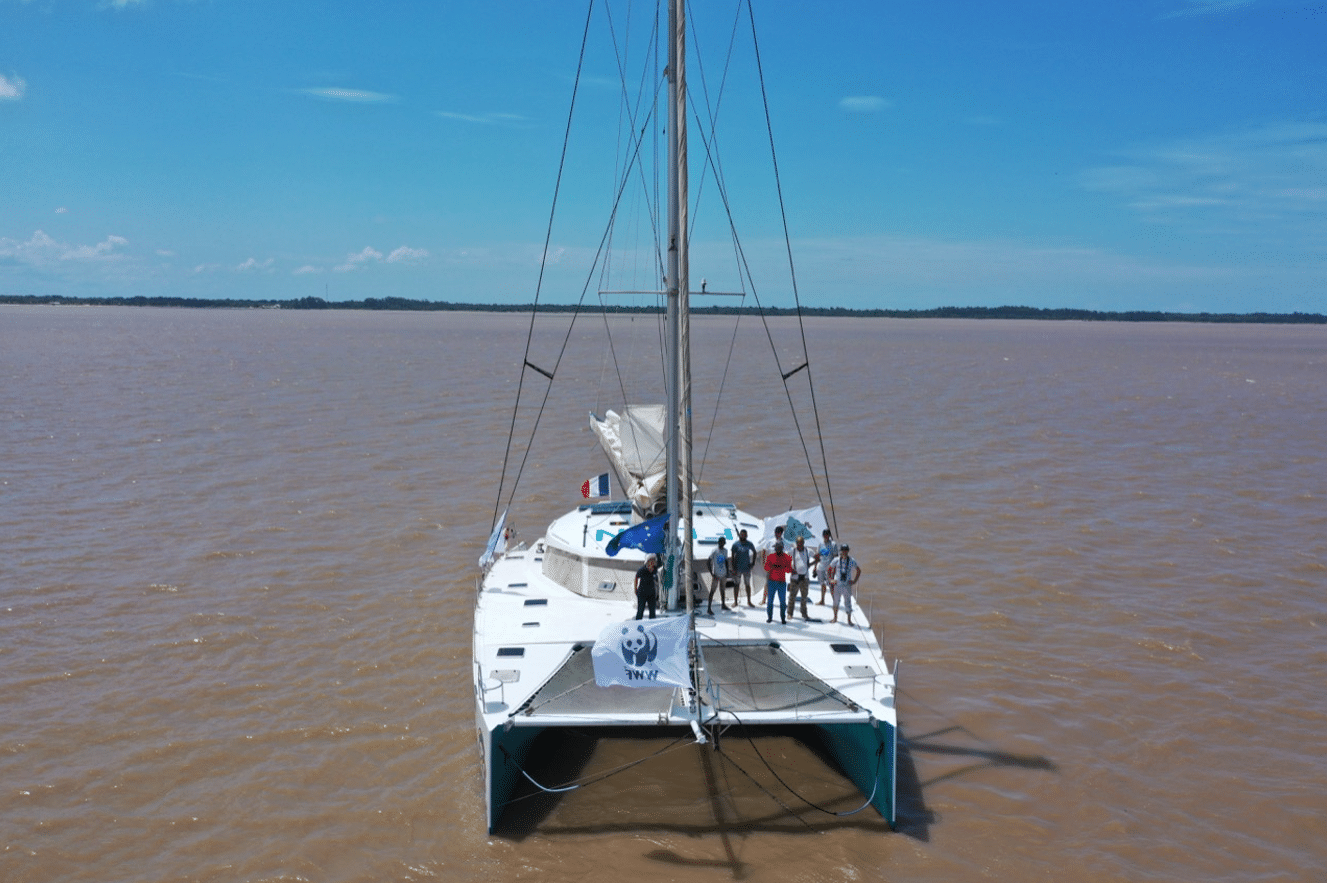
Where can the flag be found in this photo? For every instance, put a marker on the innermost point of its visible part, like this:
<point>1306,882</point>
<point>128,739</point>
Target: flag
<point>497,543</point>
<point>805,522</point>
<point>643,653</point>
<point>595,487</point>
<point>648,536</point>
<point>796,528</point>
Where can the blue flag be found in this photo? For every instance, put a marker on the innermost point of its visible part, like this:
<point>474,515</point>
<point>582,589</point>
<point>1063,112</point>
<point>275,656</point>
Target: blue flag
<point>648,536</point>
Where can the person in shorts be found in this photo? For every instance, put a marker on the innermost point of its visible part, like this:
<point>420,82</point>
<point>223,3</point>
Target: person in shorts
<point>718,565</point>
<point>740,562</point>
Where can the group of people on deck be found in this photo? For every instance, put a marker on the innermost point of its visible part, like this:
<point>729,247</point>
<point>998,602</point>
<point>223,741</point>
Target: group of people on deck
<point>784,567</point>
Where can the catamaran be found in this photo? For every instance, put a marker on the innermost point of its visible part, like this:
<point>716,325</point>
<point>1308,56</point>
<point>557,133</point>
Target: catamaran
<point>556,641</point>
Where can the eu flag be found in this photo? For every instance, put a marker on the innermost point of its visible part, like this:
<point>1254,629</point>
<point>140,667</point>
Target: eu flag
<point>648,536</point>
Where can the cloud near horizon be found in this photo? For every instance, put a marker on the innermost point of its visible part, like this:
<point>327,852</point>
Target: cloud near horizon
<point>42,250</point>
<point>370,255</point>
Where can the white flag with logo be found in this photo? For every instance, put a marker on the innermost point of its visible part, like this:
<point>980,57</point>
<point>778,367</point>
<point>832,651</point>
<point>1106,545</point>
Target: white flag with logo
<point>643,653</point>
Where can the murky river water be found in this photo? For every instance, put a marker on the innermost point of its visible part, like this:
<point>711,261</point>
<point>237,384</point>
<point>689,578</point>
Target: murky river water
<point>238,562</point>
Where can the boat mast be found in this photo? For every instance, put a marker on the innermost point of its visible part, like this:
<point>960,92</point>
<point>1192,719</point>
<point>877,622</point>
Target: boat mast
<point>679,317</point>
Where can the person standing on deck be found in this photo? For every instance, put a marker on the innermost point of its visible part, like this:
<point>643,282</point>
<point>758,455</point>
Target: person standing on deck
<point>777,565</point>
<point>843,576</point>
<point>825,554</point>
<point>765,549</point>
<point>647,594</point>
<point>742,559</point>
<point>799,586</point>
<point>719,576</point>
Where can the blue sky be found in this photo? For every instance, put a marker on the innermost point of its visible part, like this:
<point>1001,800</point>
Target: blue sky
<point>1152,154</point>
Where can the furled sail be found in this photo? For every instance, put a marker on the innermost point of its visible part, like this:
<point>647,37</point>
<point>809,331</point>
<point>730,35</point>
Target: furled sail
<point>634,441</point>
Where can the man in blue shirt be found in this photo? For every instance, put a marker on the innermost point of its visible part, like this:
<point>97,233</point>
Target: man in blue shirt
<point>741,561</point>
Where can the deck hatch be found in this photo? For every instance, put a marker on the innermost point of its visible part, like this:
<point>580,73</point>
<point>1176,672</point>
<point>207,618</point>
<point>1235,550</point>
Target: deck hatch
<point>535,602</point>
<point>511,651</point>
<point>844,648</point>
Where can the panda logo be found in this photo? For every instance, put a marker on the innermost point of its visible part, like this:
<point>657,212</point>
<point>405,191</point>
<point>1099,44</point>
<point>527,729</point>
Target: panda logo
<point>639,646</point>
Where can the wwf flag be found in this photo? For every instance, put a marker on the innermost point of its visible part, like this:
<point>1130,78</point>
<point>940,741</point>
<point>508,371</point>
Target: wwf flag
<point>643,653</point>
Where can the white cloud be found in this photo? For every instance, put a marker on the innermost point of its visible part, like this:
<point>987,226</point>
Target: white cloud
<point>917,262</point>
<point>355,96</point>
<point>864,104</point>
<point>305,270</point>
<point>405,254</point>
<point>42,250</point>
<point>1208,7</point>
<point>491,118</point>
<point>62,211</point>
<point>370,255</point>
<point>12,88</point>
<point>1260,176</point>
<point>254,265</point>
<point>355,261</point>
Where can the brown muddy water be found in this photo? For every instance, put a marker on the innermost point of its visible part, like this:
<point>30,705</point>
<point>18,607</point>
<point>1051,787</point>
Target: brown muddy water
<point>239,555</point>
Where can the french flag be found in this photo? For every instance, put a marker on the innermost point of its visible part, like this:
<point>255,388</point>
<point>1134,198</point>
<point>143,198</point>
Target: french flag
<point>595,487</point>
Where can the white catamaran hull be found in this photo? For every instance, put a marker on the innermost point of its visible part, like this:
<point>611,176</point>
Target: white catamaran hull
<point>532,649</point>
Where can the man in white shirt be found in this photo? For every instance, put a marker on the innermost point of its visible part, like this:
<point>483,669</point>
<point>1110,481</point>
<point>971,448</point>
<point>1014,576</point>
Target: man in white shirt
<point>843,576</point>
<point>799,582</point>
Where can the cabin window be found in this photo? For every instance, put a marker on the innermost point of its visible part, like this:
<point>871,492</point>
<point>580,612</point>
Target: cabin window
<point>511,651</point>
<point>535,602</point>
<point>844,648</point>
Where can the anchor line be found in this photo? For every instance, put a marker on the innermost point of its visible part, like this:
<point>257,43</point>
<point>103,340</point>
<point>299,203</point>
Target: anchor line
<point>593,780</point>
<point>879,760</point>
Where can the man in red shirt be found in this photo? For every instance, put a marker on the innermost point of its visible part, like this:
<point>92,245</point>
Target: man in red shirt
<point>777,565</point>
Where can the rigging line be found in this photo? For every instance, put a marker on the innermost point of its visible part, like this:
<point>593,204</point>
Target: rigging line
<point>797,423</point>
<point>593,780</point>
<point>718,398</point>
<point>711,161</point>
<point>599,255</point>
<point>770,794</point>
<point>879,760</point>
<point>809,684</point>
<point>539,284</point>
<point>632,114</point>
<point>709,130</point>
<point>792,268</point>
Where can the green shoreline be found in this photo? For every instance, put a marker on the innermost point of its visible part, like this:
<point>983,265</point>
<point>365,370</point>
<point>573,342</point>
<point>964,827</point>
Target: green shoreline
<point>404,304</point>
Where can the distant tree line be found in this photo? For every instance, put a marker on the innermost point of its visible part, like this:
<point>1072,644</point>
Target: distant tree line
<point>401,303</point>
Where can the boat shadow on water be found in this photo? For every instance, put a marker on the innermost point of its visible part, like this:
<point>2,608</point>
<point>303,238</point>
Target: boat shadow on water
<point>744,790</point>
<point>743,781</point>
<point>913,817</point>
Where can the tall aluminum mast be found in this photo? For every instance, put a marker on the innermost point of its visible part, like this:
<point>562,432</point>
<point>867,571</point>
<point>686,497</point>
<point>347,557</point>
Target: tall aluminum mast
<point>679,317</point>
